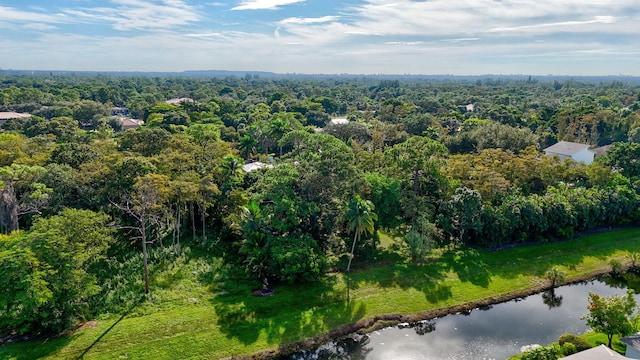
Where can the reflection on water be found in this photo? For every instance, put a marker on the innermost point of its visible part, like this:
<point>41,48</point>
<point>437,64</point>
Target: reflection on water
<point>494,332</point>
<point>551,299</point>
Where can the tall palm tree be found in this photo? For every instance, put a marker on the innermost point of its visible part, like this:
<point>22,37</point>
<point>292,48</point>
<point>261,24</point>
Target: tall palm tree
<point>278,127</point>
<point>361,218</point>
<point>230,168</point>
<point>247,146</point>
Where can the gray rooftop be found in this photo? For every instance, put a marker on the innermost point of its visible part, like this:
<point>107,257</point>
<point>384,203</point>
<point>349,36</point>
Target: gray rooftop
<point>597,353</point>
<point>566,148</point>
<point>602,150</point>
<point>632,340</point>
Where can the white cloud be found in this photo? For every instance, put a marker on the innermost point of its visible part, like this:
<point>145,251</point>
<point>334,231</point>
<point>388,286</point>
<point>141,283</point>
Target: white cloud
<point>470,17</point>
<point>14,15</point>
<point>297,20</point>
<point>39,27</point>
<point>140,14</point>
<point>367,36</point>
<point>250,52</point>
<point>264,4</point>
<point>124,15</point>
<point>205,35</point>
<point>459,40</point>
<point>405,43</point>
<point>559,25</point>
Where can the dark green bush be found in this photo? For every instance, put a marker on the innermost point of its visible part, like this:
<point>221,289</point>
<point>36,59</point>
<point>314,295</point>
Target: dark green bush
<point>568,349</point>
<point>580,343</point>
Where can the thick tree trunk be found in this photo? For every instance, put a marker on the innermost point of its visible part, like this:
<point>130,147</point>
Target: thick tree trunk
<point>203,214</point>
<point>416,181</point>
<point>178,224</point>
<point>9,208</point>
<point>175,227</point>
<point>144,255</point>
<point>193,220</point>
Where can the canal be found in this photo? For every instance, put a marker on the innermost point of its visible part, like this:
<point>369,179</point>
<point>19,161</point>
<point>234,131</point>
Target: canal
<point>495,332</point>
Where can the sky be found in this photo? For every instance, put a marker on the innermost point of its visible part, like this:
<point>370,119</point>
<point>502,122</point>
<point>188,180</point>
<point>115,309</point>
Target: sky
<point>458,37</point>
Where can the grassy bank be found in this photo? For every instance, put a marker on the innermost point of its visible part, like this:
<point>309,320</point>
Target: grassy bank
<point>197,312</point>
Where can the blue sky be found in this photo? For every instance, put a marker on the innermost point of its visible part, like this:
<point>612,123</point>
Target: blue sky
<point>460,37</point>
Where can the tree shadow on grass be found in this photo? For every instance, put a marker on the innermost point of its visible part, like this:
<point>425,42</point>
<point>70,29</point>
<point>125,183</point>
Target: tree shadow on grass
<point>41,347</point>
<point>468,264</point>
<point>124,315</point>
<point>570,254</point>
<point>97,340</point>
<point>34,348</point>
<point>280,319</point>
<point>428,279</point>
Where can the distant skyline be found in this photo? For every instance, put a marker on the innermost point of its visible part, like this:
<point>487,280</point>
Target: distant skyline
<point>458,37</point>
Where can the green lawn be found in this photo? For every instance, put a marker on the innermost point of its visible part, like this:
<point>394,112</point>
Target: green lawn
<point>197,312</point>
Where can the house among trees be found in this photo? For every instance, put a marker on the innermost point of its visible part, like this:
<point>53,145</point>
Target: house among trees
<point>8,115</point>
<point>129,123</point>
<point>633,346</point>
<point>120,111</point>
<point>570,150</point>
<point>178,101</point>
<point>339,121</point>
<point>255,166</point>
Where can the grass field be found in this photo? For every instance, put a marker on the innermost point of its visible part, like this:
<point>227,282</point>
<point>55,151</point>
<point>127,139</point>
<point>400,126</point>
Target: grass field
<point>197,311</point>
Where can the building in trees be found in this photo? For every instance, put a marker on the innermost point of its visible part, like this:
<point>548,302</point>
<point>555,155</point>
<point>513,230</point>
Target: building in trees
<point>129,123</point>
<point>633,345</point>
<point>256,165</point>
<point>570,150</point>
<point>178,101</point>
<point>8,115</point>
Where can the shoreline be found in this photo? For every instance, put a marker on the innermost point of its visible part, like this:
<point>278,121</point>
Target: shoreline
<point>386,320</point>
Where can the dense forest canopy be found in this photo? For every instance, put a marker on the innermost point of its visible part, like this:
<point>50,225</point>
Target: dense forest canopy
<point>441,163</point>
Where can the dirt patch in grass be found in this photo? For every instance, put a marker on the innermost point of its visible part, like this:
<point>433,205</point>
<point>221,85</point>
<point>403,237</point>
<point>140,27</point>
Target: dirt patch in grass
<point>88,325</point>
<point>386,320</point>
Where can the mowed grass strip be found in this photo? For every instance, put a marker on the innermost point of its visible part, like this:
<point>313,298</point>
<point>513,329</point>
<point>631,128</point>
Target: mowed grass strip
<point>190,319</point>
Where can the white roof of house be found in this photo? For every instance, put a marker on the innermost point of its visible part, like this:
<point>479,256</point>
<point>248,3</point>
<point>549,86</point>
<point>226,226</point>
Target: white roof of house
<point>255,166</point>
<point>6,115</point>
<point>597,353</point>
<point>339,121</point>
<point>566,148</point>
<point>177,101</point>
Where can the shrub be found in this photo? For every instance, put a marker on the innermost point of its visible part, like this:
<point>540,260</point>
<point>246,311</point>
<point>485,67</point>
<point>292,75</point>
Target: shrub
<point>422,238</point>
<point>297,259</point>
<point>542,353</point>
<point>555,275</point>
<point>616,266</point>
<point>580,343</point>
<point>568,349</point>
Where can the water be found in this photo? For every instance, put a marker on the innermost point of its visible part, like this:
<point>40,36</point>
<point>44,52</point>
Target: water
<point>496,332</point>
